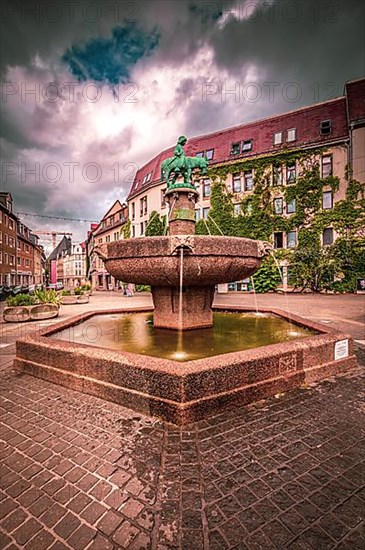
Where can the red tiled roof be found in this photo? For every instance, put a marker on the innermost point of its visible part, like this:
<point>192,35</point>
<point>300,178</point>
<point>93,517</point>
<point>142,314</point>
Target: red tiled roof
<point>355,94</point>
<point>306,120</point>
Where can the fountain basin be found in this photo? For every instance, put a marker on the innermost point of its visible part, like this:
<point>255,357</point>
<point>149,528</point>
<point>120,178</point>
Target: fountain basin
<point>208,260</point>
<point>185,392</point>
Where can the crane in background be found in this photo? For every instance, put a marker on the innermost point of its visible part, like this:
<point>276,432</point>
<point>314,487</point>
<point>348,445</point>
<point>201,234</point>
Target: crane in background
<point>53,235</point>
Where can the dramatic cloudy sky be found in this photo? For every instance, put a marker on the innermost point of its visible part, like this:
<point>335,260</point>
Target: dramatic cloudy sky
<point>114,82</point>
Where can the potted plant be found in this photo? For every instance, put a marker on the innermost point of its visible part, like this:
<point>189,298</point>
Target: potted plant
<point>78,296</point>
<point>43,304</point>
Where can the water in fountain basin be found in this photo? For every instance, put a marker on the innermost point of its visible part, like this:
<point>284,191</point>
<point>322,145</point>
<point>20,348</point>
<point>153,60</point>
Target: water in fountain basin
<point>180,354</point>
<point>135,333</point>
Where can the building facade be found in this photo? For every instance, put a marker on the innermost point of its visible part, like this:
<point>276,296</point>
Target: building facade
<point>21,256</point>
<point>8,236</point>
<point>111,228</point>
<point>336,127</point>
<point>74,266</point>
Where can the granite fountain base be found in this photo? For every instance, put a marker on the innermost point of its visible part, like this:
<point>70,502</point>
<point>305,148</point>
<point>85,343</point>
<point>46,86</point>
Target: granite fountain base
<point>185,392</point>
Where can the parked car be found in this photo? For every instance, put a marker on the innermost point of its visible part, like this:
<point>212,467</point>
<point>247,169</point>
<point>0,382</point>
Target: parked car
<point>16,290</point>
<point>31,289</point>
<point>25,289</point>
<point>5,291</point>
<point>55,286</point>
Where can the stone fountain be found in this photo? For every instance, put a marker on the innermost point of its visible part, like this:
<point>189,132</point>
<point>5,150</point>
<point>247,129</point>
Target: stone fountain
<point>286,351</point>
<point>201,262</point>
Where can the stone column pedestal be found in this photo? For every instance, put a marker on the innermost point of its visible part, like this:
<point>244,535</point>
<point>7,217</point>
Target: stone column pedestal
<point>196,307</point>
<point>182,210</point>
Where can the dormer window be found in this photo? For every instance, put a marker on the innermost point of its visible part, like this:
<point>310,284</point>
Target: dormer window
<point>200,154</point>
<point>236,148</point>
<point>278,138</point>
<point>209,154</point>
<point>326,127</point>
<point>292,134</point>
<point>247,145</point>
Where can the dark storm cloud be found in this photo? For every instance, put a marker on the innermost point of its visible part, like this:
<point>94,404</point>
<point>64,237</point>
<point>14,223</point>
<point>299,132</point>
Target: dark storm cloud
<point>110,60</point>
<point>317,45</point>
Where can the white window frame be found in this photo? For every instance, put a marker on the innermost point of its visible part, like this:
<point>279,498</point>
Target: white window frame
<point>278,138</point>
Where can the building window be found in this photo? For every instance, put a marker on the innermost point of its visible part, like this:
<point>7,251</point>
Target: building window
<point>1,257</point>
<point>11,224</point>
<point>326,166</point>
<point>11,242</point>
<point>5,258</point>
<point>5,219</point>
<point>247,145</point>
<point>236,148</point>
<point>291,239</point>
<point>133,231</point>
<point>278,239</point>
<point>277,176</point>
<point>291,173</point>
<point>1,237</point>
<point>278,138</point>
<point>209,154</point>
<point>200,154</point>
<point>236,185</point>
<point>327,236</point>
<point>248,176</point>
<point>278,205</point>
<point>141,206</point>
<point>292,134</point>
<point>290,207</point>
<point>141,226</point>
<point>237,208</point>
<point>325,127</point>
<point>133,210</point>
<point>327,200</point>
<point>205,213</point>
<point>197,214</point>
<point>149,176</point>
<point>107,239</point>
<point>26,262</point>
<point>206,188</point>
<point>18,261</point>
<point>6,239</point>
<point>111,220</point>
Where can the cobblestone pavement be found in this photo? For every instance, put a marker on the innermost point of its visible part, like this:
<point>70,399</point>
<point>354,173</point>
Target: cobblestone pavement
<point>77,472</point>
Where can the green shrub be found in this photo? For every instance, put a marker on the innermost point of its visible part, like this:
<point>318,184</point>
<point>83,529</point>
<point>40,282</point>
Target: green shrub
<point>142,288</point>
<point>86,287</point>
<point>78,291</point>
<point>47,297</point>
<point>267,277</point>
<point>66,293</point>
<point>21,300</point>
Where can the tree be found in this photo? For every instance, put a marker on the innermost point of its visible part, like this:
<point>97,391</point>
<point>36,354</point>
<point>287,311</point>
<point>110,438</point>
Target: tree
<point>156,225</point>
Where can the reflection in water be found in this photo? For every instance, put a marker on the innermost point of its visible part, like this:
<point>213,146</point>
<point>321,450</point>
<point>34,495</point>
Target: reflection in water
<point>135,333</point>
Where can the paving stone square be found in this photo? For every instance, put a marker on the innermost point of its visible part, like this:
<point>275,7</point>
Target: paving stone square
<point>78,472</point>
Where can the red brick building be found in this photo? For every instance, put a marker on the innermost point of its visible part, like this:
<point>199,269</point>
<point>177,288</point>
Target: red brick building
<point>8,229</point>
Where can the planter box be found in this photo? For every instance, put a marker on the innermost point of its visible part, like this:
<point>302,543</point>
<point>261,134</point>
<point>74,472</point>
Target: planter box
<point>38,312</point>
<point>71,300</point>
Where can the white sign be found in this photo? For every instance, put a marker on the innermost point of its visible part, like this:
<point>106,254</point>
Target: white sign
<point>341,349</point>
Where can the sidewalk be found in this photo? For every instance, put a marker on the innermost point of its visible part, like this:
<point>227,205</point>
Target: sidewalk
<point>78,472</point>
